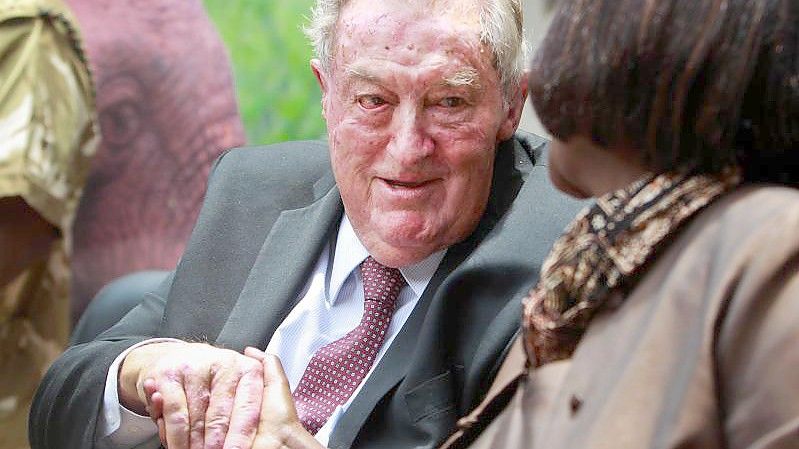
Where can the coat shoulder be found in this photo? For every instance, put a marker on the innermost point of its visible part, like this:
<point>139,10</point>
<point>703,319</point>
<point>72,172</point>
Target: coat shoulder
<point>753,219</point>
<point>300,160</point>
<point>292,174</point>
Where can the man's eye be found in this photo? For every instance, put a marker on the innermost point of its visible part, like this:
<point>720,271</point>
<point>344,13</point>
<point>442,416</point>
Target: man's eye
<point>370,101</point>
<point>452,102</point>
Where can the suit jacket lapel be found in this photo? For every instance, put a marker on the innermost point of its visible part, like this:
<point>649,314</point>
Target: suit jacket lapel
<point>289,252</point>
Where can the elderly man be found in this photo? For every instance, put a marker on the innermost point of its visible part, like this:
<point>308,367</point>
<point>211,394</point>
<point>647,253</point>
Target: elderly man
<point>379,267</point>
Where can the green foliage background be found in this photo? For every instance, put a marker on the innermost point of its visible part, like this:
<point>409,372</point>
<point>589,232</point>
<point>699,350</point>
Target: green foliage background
<point>278,96</point>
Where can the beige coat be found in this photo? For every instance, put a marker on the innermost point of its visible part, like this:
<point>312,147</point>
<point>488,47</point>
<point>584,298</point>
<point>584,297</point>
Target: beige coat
<point>704,353</point>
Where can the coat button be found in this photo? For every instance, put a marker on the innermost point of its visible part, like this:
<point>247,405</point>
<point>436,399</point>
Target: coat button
<point>575,403</point>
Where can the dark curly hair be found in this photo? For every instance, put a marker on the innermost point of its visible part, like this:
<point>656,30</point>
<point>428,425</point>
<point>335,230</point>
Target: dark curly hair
<point>693,84</point>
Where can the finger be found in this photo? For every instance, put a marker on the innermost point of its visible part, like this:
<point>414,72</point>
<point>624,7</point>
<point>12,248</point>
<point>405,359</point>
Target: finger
<point>196,386</point>
<point>255,353</point>
<point>175,413</point>
<point>277,390</point>
<point>279,425</point>
<point>150,390</point>
<point>161,431</point>
<point>246,409</point>
<point>157,414</point>
<point>220,407</point>
<point>157,406</point>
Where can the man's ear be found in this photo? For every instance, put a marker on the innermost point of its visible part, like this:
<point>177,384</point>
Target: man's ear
<point>321,78</point>
<point>514,111</point>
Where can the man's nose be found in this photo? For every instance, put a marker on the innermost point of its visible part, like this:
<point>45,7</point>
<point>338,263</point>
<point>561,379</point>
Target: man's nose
<point>410,141</point>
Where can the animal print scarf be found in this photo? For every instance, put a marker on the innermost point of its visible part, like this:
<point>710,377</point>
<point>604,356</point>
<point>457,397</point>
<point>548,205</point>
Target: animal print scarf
<point>604,251</point>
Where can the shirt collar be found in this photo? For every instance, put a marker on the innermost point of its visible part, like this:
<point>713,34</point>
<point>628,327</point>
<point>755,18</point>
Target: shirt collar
<point>350,252</point>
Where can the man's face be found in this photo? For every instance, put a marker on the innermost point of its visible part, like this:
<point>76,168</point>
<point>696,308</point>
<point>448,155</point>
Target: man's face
<point>414,111</point>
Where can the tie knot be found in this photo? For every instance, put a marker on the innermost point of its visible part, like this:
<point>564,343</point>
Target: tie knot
<point>380,283</point>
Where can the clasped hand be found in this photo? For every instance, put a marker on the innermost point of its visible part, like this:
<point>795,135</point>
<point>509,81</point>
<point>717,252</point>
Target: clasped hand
<point>204,397</point>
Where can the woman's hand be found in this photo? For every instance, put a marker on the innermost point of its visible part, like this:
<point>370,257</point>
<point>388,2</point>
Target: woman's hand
<point>279,427</point>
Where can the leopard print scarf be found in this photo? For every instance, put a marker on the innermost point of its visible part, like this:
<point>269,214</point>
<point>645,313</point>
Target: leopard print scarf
<point>604,251</point>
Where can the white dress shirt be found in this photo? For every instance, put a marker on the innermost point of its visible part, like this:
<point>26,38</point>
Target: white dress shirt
<point>331,306</point>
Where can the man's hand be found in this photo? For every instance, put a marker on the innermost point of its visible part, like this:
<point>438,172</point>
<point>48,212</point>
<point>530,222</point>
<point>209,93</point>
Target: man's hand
<point>200,396</point>
<point>279,428</point>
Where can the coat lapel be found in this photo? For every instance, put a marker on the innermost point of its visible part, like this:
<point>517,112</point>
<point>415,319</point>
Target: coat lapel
<point>289,252</point>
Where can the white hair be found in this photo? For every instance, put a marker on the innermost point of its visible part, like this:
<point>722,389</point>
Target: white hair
<point>501,29</point>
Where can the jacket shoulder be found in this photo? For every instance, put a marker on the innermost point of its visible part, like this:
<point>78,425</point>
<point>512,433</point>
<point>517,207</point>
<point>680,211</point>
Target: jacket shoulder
<point>755,217</point>
<point>287,160</point>
<point>292,173</point>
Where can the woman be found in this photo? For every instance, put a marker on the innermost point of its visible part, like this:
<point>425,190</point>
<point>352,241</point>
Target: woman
<point>666,315</point>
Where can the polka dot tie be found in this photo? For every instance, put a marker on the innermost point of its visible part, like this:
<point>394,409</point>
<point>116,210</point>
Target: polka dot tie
<point>336,370</point>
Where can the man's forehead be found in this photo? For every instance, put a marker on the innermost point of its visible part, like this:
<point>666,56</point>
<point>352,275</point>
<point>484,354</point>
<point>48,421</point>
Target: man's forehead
<point>381,42</point>
<point>456,9</point>
<point>369,16</point>
<point>408,39</point>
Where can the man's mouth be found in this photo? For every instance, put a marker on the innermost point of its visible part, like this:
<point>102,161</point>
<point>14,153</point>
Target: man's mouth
<point>406,184</point>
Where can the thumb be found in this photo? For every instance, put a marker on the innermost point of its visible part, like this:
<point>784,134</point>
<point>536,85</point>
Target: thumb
<point>277,393</point>
<point>279,425</point>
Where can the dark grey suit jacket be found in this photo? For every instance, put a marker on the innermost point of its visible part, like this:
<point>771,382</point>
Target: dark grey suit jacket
<point>267,215</point>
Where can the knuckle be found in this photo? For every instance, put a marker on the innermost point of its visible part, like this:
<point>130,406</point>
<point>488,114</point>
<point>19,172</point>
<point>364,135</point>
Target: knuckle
<point>223,358</point>
<point>198,426</point>
<point>178,419</point>
<point>174,408</point>
<point>172,373</point>
<point>185,367</point>
<point>252,366</point>
<point>215,367</point>
<point>220,423</point>
<point>250,405</point>
<point>202,396</point>
<point>249,424</point>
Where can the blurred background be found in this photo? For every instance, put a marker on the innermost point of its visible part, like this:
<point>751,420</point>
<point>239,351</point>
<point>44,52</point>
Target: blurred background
<point>280,101</point>
<point>278,96</point>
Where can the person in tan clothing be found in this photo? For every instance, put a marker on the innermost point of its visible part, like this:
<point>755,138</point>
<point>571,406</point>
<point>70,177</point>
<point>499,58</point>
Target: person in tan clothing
<point>666,314</point>
<point>47,139</point>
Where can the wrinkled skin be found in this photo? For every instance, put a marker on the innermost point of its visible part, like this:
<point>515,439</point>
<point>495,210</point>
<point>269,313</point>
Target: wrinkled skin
<point>167,108</point>
<point>414,112</point>
<point>191,391</point>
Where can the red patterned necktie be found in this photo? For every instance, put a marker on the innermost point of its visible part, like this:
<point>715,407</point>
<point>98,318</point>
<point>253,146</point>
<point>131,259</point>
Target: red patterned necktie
<point>337,368</point>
